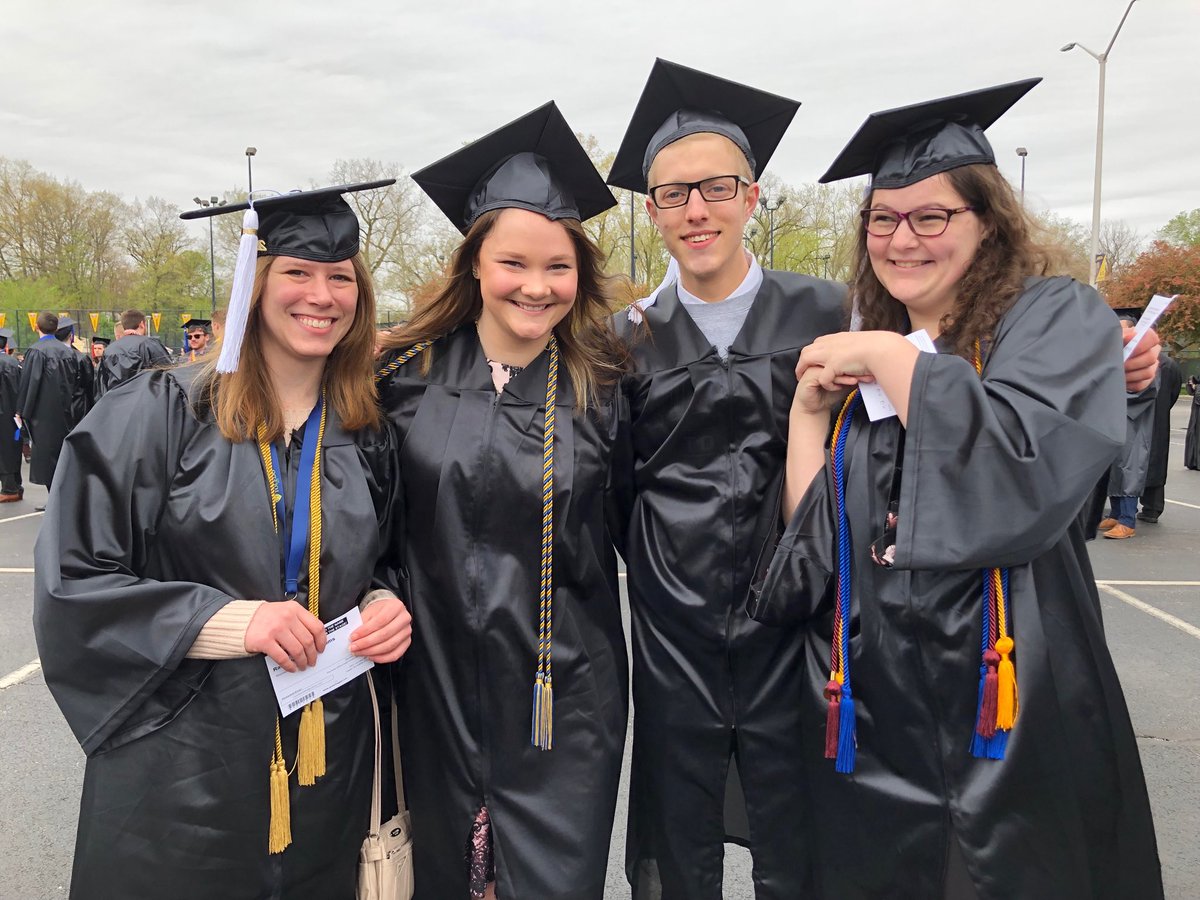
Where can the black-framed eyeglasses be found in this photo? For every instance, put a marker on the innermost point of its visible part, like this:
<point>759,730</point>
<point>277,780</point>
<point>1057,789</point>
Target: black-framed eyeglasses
<point>929,221</point>
<point>714,190</point>
<point>196,336</point>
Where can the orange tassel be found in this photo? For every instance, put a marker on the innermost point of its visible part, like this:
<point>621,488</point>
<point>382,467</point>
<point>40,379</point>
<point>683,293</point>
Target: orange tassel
<point>1006,699</point>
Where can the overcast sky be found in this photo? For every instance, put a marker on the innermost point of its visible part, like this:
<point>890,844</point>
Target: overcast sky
<point>159,97</point>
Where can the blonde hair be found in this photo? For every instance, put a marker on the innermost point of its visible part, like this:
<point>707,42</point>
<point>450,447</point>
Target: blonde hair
<point>593,355</point>
<point>740,162</point>
<point>242,399</point>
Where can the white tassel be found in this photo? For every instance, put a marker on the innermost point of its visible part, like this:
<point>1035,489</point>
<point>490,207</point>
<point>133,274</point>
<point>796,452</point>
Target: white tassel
<point>239,297</point>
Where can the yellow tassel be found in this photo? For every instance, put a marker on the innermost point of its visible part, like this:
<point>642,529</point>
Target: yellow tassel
<point>280,835</point>
<point>310,753</point>
<point>547,718</point>
<point>1006,701</point>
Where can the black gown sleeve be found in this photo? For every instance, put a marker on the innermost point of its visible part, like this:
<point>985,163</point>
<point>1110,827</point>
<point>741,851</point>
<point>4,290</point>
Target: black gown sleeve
<point>108,633</point>
<point>996,468</point>
<point>619,486</point>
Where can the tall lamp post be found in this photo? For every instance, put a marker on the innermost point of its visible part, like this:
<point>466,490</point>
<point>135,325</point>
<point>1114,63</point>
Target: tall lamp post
<point>212,264</point>
<point>824,266</point>
<point>250,152</point>
<point>1022,152</point>
<point>770,206</point>
<point>1101,58</point>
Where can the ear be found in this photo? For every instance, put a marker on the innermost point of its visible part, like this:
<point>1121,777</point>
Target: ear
<point>652,211</point>
<point>752,192</point>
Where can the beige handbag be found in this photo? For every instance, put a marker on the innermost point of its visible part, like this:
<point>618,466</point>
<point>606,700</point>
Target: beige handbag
<point>385,865</point>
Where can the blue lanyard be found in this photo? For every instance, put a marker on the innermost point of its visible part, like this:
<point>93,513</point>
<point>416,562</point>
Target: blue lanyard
<point>296,532</point>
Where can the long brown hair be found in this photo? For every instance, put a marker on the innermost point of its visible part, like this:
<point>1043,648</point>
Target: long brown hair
<point>593,354</point>
<point>242,399</point>
<point>1008,253</point>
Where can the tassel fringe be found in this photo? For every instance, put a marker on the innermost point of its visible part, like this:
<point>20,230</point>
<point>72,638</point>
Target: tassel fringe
<point>1006,701</point>
<point>847,738</point>
<point>310,754</point>
<point>239,296</point>
<point>833,696</point>
<point>543,713</point>
<point>280,831</point>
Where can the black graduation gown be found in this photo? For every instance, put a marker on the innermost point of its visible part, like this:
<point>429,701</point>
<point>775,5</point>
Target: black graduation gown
<point>83,394</point>
<point>697,494</point>
<point>127,356</point>
<point>471,466</point>
<point>49,402</point>
<point>994,471</point>
<point>1170,381</point>
<point>155,522</point>
<point>10,380</point>
<point>1191,440</point>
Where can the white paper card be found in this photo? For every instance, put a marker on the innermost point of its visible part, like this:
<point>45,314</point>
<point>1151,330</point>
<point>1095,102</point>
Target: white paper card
<point>875,401</point>
<point>1156,307</point>
<point>335,666</point>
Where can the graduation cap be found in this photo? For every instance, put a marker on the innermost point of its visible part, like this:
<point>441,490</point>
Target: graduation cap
<point>103,341</point>
<point>65,326</point>
<point>316,225</point>
<point>1132,313</point>
<point>6,335</point>
<point>899,147</point>
<point>534,163</point>
<point>204,324</point>
<point>678,101</point>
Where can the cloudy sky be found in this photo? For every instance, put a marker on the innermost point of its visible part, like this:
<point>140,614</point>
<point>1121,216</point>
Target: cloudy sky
<point>161,97</point>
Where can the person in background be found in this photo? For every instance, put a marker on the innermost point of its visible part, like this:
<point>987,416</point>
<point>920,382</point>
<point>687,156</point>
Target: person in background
<point>976,743</point>
<point>502,389</point>
<point>83,395</point>
<point>1191,440</point>
<point>50,378</point>
<point>11,487</point>
<point>130,353</point>
<point>202,535</point>
<point>1170,382</point>
<point>98,346</point>
<point>198,335</point>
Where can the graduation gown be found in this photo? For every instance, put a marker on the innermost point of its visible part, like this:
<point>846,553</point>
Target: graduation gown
<point>470,542</point>
<point>696,494</point>
<point>10,381</point>
<point>994,471</point>
<point>1191,440</point>
<point>155,522</point>
<point>50,402</point>
<point>1127,477</point>
<point>127,356</point>
<point>1170,382</point>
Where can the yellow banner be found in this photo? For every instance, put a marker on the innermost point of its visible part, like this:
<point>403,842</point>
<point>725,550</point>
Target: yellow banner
<point>184,318</point>
<point>95,317</point>
<point>3,318</point>
<point>1101,267</point>
<point>157,317</point>
<point>33,321</point>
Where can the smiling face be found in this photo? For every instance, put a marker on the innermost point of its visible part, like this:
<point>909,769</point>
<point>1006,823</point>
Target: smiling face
<point>703,236</point>
<point>529,278</point>
<point>923,272</point>
<point>306,308</point>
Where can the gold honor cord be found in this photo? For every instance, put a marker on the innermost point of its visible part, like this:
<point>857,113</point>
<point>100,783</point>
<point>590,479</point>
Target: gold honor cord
<point>310,751</point>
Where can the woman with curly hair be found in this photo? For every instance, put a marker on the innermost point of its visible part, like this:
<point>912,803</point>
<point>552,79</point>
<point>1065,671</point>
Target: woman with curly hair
<point>502,390</point>
<point>969,737</point>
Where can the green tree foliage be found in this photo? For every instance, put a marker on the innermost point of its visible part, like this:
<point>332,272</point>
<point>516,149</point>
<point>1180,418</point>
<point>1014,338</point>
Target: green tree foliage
<point>1183,230</point>
<point>1164,269</point>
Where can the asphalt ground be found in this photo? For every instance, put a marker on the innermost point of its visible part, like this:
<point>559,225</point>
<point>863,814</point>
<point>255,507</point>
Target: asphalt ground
<point>1149,589</point>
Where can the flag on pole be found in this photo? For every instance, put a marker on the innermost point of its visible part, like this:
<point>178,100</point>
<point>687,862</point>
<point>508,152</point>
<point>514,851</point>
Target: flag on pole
<point>95,317</point>
<point>157,317</point>
<point>1101,267</point>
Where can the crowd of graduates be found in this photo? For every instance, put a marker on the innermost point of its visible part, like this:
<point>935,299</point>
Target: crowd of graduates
<point>866,639</point>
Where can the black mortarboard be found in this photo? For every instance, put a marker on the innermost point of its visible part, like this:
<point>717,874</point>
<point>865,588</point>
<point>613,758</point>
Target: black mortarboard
<point>316,225</point>
<point>899,147</point>
<point>678,101</point>
<point>96,339</point>
<point>534,162</point>
<point>6,335</point>
<point>65,325</point>
<point>206,324</point>
<point>1129,312</point>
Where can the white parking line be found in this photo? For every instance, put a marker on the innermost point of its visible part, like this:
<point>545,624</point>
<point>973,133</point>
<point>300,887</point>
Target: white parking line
<point>1181,503</point>
<point>1147,583</point>
<point>18,518</point>
<point>30,668</point>
<point>16,571</point>
<point>1185,627</point>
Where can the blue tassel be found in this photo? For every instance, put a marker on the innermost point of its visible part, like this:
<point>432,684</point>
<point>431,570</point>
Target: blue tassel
<point>978,741</point>
<point>997,744</point>
<point>847,739</point>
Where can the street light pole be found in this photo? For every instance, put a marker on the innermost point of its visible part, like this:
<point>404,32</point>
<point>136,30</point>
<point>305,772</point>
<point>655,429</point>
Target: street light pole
<point>770,206</point>
<point>1102,59</point>
<point>250,152</point>
<point>1022,152</point>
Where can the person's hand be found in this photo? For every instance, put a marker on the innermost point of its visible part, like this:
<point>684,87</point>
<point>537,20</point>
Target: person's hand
<point>812,397</point>
<point>1142,366</point>
<point>848,357</point>
<point>385,633</point>
<point>288,633</point>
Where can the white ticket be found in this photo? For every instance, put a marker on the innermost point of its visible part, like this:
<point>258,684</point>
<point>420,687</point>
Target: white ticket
<point>335,666</point>
<point>1156,307</point>
<point>875,400</point>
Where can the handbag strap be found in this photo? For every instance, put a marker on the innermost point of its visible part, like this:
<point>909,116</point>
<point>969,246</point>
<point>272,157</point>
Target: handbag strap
<point>376,785</point>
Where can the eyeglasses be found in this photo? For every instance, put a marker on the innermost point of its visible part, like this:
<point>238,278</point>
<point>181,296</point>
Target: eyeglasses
<point>929,221</point>
<point>714,190</point>
<point>197,336</point>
